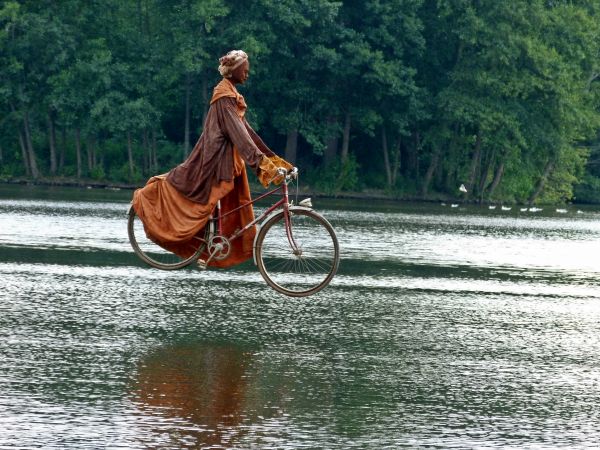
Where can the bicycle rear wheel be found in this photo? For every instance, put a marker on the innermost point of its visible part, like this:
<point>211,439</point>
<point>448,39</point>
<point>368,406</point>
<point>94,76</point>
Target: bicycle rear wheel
<point>302,271</point>
<point>152,253</point>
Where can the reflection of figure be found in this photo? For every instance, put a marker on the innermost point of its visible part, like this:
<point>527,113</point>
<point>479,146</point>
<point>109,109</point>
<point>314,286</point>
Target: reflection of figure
<point>205,385</point>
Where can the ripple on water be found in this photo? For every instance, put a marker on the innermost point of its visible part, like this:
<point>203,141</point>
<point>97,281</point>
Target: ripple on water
<point>444,346</point>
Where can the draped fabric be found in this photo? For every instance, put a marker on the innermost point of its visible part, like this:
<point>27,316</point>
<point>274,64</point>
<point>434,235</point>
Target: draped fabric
<point>175,207</point>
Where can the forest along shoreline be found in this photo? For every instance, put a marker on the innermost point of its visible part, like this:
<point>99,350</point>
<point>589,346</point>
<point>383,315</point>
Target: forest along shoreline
<point>256,189</point>
<point>410,99</point>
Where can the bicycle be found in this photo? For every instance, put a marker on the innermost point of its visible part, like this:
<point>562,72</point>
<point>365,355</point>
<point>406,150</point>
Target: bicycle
<point>295,248</point>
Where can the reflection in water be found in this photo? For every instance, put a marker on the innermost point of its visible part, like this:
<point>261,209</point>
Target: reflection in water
<point>446,329</point>
<point>203,384</point>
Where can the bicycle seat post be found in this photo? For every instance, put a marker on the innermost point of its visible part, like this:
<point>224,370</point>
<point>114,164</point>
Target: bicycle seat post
<point>219,219</point>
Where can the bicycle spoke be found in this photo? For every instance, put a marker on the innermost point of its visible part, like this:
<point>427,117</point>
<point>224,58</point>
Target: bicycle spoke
<point>315,265</point>
<point>307,265</point>
<point>154,254</point>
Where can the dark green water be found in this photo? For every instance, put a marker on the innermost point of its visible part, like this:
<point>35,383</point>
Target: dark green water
<point>445,327</point>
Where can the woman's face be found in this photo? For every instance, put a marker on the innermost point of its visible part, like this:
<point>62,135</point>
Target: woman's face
<point>241,73</point>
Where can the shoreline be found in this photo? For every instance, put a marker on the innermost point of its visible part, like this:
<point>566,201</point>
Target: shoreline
<point>255,190</point>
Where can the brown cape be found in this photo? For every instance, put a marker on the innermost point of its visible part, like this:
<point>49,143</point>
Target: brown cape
<point>175,207</point>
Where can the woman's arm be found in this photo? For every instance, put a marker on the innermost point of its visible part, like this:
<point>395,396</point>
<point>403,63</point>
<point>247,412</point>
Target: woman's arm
<point>233,126</point>
<point>241,135</point>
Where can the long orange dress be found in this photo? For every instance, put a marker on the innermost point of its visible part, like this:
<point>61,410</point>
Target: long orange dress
<point>176,206</point>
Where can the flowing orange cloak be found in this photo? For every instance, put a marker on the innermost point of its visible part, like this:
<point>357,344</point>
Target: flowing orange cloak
<point>172,220</point>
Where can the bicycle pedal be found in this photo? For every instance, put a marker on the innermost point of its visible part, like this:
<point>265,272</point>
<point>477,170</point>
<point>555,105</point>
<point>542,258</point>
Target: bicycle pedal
<point>201,264</point>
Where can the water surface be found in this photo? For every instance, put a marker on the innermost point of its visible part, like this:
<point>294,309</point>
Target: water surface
<point>445,327</point>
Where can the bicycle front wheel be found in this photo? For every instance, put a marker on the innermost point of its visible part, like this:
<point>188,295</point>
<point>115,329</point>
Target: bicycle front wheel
<point>152,253</point>
<point>303,264</point>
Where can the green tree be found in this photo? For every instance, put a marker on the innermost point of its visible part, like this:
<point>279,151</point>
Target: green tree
<point>414,96</point>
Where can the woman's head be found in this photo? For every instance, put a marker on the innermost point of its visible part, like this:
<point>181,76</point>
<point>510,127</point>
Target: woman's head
<point>235,66</point>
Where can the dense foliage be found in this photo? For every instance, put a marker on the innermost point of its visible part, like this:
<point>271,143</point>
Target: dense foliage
<point>414,97</point>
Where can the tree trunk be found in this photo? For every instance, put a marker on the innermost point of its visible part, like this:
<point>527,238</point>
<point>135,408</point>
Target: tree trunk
<point>332,143</point>
<point>346,137</point>
<point>94,152</point>
<point>205,100</point>
<point>475,163</point>
<point>186,138</point>
<point>130,155</point>
<point>497,178</point>
<point>406,158</point>
<point>417,152</point>
<point>410,167</point>
<point>63,150</point>
<point>30,153</point>
<point>483,175</point>
<point>291,145</point>
<point>78,150</point>
<point>542,182</point>
<point>90,154</point>
<point>386,157</point>
<point>154,157</point>
<point>1,155</point>
<point>433,164</point>
<point>52,143</point>
<point>102,162</point>
<point>330,151</point>
<point>147,152</point>
<point>397,160</point>
<point>24,154</point>
<point>487,163</point>
<point>450,177</point>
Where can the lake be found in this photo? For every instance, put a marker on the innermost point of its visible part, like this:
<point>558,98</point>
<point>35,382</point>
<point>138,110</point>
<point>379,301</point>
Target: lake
<point>445,327</point>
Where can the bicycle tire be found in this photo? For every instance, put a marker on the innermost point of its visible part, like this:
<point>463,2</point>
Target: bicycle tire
<point>150,252</point>
<point>286,271</point>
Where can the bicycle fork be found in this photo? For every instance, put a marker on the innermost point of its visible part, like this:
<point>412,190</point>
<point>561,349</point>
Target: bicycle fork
<point>296,250</point>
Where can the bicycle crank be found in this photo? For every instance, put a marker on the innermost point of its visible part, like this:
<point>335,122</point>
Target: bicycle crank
<point>219,248</point>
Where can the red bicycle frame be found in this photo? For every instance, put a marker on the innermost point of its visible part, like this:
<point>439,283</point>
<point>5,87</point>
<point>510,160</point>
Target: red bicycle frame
<point>282,202</point>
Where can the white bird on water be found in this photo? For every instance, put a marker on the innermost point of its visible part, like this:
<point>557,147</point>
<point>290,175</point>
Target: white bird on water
<point>561,210</point>
<point>462,188</point>
<point>506,208</point>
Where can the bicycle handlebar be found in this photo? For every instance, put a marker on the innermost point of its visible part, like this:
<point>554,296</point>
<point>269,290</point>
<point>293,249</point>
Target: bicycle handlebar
<point>289,174</point>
